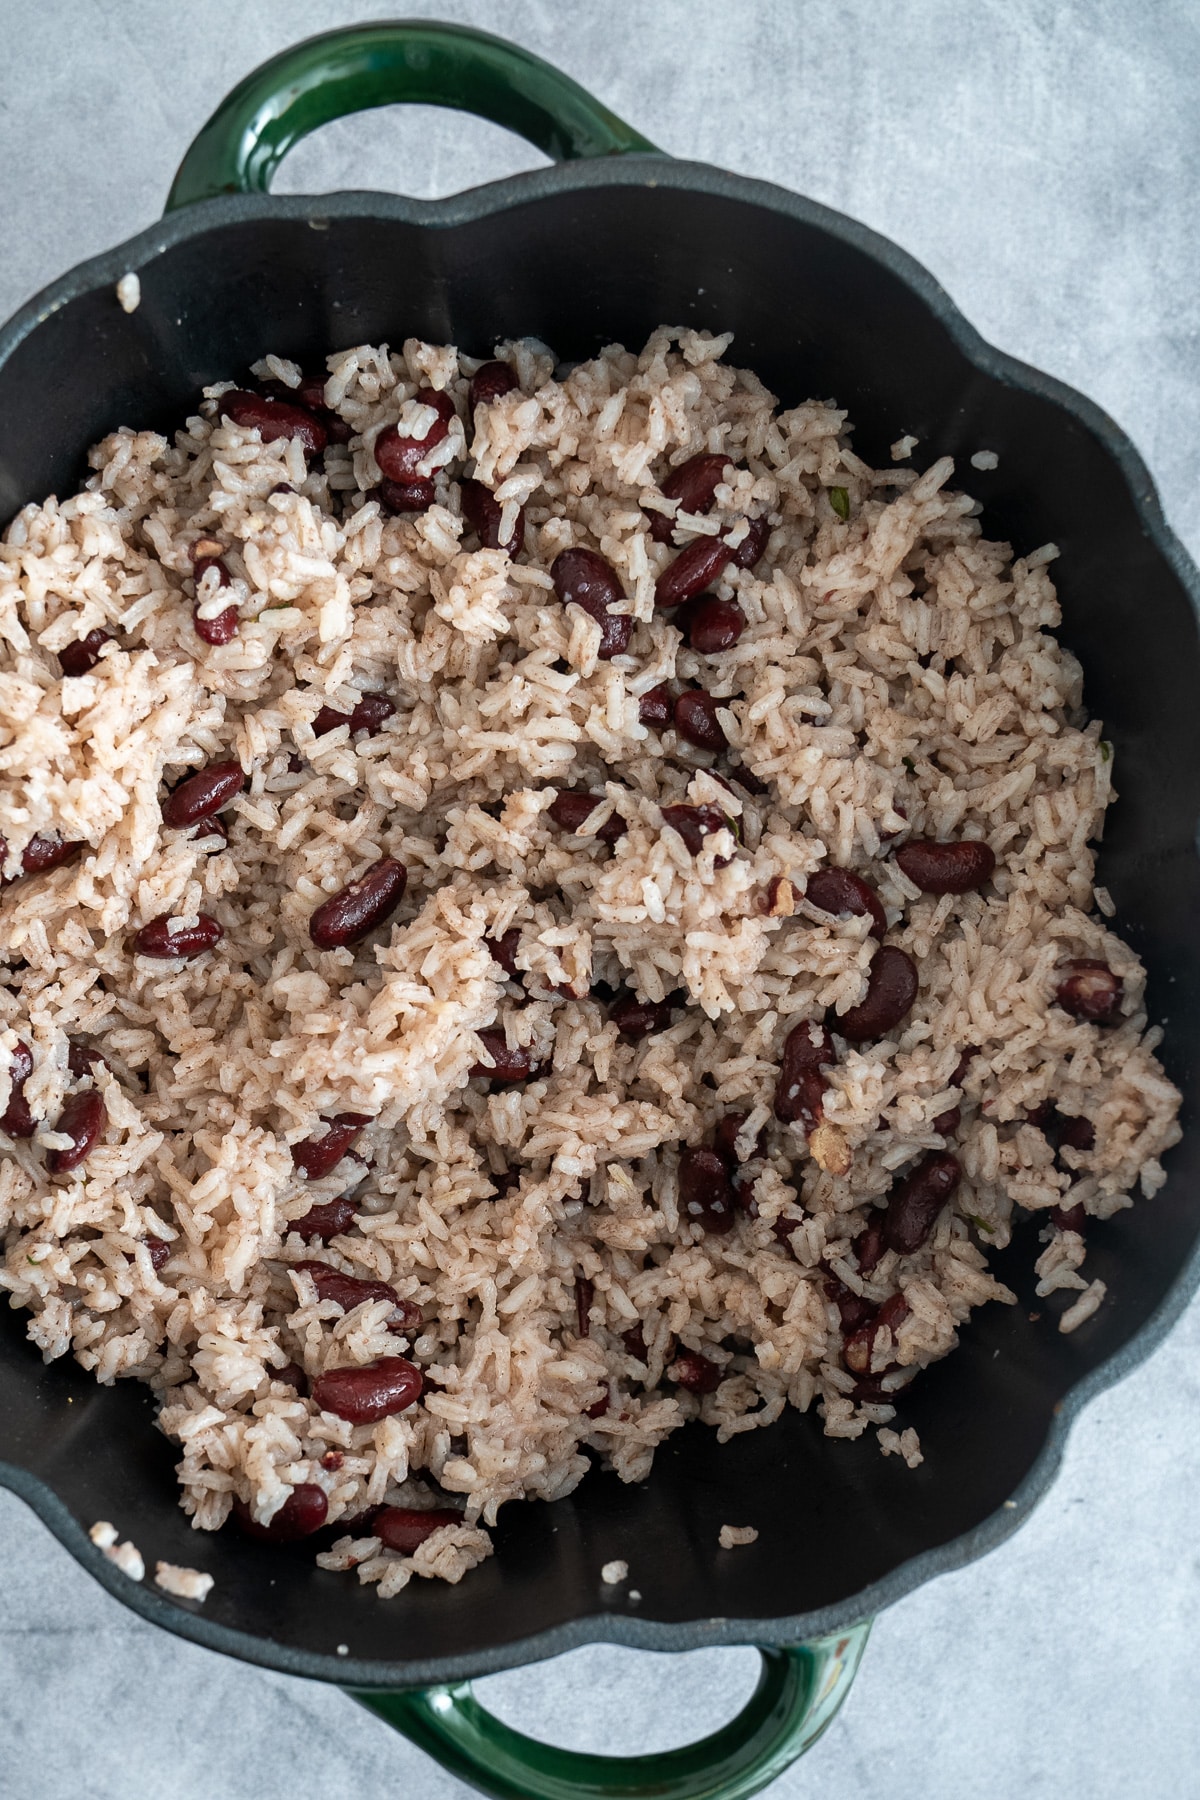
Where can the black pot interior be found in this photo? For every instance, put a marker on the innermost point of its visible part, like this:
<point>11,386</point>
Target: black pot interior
<point>814,313</point>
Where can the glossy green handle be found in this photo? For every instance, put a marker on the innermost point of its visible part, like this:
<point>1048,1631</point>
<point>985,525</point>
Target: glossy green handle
<point>348,71</point>
<point>798,1693</point>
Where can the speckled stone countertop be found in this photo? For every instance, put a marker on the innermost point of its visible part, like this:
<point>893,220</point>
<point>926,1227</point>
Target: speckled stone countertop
<point>1043,160</point>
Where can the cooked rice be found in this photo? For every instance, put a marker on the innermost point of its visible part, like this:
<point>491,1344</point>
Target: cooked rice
<point>905,1444</point>
<point>129,292</point>
<point>731,1537</point>
<point>615,1572</point>
<point>127,1556</point>
<point>184,1583</point>
<point>897,673</point>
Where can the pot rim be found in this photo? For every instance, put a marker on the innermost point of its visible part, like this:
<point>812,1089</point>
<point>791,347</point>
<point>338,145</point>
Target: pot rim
<point>138,254</point>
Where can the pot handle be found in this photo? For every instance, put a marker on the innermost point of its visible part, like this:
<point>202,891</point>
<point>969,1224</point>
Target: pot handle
<point>798,1693</point>
<point>416,60</point>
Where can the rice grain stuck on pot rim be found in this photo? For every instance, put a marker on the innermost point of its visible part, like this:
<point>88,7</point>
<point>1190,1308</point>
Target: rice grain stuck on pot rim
<point>537,908</point>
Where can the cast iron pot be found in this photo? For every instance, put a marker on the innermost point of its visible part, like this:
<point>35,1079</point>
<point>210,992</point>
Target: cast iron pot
<point>614,240</point>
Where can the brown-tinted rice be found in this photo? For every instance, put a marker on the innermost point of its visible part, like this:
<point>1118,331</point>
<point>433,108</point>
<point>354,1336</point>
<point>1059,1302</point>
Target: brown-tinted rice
<point>897,675</point>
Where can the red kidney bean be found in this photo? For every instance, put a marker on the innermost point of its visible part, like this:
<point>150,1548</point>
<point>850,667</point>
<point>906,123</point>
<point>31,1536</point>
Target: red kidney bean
<point>504,951</point>
<point>868,1246</point>
<point>694,484</point>
<point>371,713</point>
<point>947,1123</point>
<point>840,891</point>
<point>964,1062</point>
<point>892,985</point>
<point>634,1341</point>
<point>705,1194</point>
<point>585,1293</point>
<point>157,940</point>
<point>710,625</point>
<point>273,419</point>
<point>859,1347</point>
<point>747,779</point>
<point>332,1460</point>
<point>598,1408</point>
<point>82,1119</point>
<point>913,1207</point>
<point>695,717</point>
<point>316,1156</point>
<point>956,868</point>
<point>489,382</point>
<point>697,564</point>
<point>350,1291</point>
<point>159,1252</point>
<point>328,719</point>
<point>1077,1133</point>
<point>696,1373</point>
<point>221,630</point>
<point>399,457</point>
<point>311,393</point>
<point>805,1098</point>
<point>209,828</point>
<point>743,1197</point>
<point>397,497</point>
<point>637,1019</point>
<point>365,903</point>
<point>750,550</point>
<point>1062,1130</point>
<point>18,1121</point>
<point>656,706</point>
<point>853,1309</point>
<point>292,1375</point>
<point>202,564</point>
<point>203,793</point>
<point>303,1512</point>
<point>84,653</point>
<point>725,1140</point>
<point>506,1064</point>
<point>572,807</point>
<point>329,1220</point>
<point>42,853</point>
<point>1070,1218</point>
<point>405,1529</point>
<point>364,1395</point>
<point>807,1049</point>
<point>82,1057</point>
<point>483,513</point>
<point>584,578</point>
<point>695,823</point>
<point>1090,991</point>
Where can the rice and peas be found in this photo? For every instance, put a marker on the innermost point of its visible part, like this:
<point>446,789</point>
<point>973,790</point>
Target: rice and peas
<point>459,1014</point>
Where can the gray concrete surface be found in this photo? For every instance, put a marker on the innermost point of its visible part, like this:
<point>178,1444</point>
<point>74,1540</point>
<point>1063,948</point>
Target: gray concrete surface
<point>1042,159</point>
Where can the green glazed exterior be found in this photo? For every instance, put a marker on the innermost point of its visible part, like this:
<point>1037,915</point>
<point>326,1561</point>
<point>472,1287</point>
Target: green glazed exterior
<point>418,61</point>
<point>799,1692</point>
<point>237,152</point>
